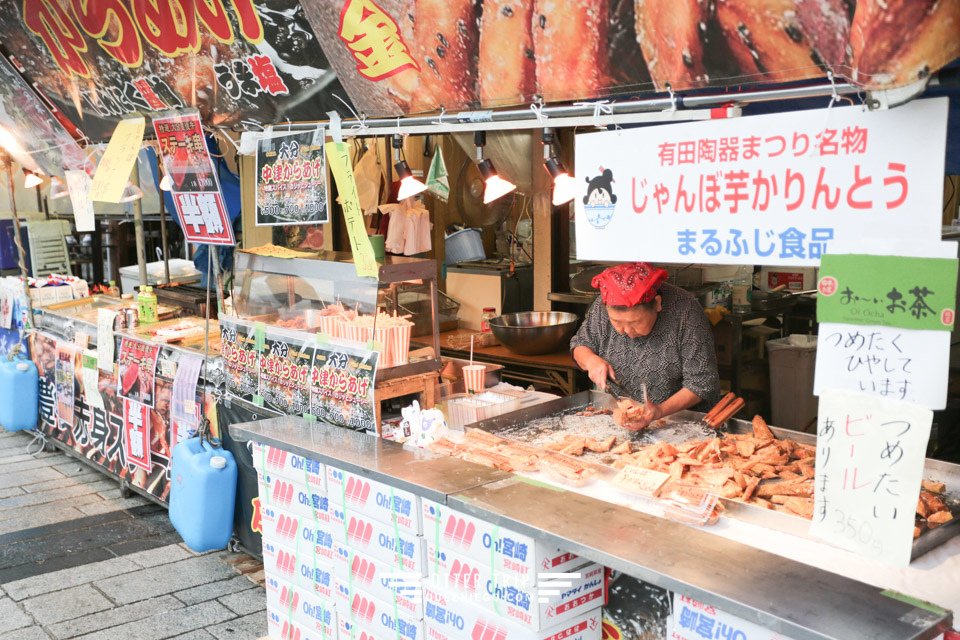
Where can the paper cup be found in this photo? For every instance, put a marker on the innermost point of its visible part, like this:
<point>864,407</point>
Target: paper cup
<point>401,343</point>
<point>473,377</point>
<point>330,325</point>
<point>384,336</point>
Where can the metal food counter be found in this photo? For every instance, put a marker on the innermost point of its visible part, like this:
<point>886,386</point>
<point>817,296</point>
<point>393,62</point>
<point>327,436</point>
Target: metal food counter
<point>783,595</point>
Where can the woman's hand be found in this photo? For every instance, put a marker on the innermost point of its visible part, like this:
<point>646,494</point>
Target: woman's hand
<point>599,370</point>
<point>641,416</point>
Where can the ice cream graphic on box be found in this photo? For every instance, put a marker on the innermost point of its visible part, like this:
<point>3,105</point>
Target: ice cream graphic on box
<point>600,202</point>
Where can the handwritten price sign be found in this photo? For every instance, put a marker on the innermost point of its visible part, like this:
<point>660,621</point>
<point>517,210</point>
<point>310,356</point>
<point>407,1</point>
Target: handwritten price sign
<point>870,457</point>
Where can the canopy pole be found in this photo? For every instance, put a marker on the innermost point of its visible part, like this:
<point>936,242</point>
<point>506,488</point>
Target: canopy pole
<point>163,237</point>
<point>7,163</point>
<point>138,229</point>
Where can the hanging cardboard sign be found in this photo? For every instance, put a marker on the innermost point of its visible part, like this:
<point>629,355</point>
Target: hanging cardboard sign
<point>772,189</point>
<point>888,362</point>
<point>138,371</point>
<point>338,155</point>
<point>196,188</point>
<point>870,457</point>
<point>136,433</point>
<point>292,179</point>
<point>893,291</point>
<point>113,172</point>
<point>284,371</point>
<point>241,356</point>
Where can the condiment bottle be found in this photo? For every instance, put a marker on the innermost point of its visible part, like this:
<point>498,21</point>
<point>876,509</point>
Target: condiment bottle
<point>147,305</point>
<point>485,317</point>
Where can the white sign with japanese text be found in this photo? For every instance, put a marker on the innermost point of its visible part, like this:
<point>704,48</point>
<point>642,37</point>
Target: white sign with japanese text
<point>78,185</point>
<point>694,620</point>
<point>773,189</point>
<point>870,457</point>
<point>892,363</point>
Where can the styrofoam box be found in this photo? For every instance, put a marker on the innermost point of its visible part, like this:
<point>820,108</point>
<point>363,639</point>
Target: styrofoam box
<point>402,550</point>
<point>513,553</point>
<point>300,533</point>
<point>380,580</point>
<point>267,459</point>
<point>302,569</point>
<point>533,607</point>
<point>289,603</point>
<point>384,620</point>
<point>347,630</point>
<point>375,499</point>
<point>294,496</point>
<point>449,617</point>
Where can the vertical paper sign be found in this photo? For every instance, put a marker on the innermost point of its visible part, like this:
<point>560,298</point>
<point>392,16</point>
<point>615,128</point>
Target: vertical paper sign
<point>889,362</point>
<point>105,342</point>
<point>196,188</point>
<point>291,179</point>
<point>338,155</point>
<point>342,381</point>
<point>64,377</point>
<point>890,291</point>
<point>870,457</point>
<point>113,172</point>
<point>78,184</point>
<point>91,380</point>
<point>136,433</point>
<point>138,370</point>
<point>184,412</point>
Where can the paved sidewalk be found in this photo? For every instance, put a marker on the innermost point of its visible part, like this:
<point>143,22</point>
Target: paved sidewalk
<point>79,561</point>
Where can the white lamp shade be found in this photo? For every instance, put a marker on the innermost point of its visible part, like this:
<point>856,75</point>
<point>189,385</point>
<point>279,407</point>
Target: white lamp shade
<point>410,187</point>
<point>496,188</point>
<point>131,192</point>
<point>564,189</point>
<point>32,180</point>
<point>166,183</point>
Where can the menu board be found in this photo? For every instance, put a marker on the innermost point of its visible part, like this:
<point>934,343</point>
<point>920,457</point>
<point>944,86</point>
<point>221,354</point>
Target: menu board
<point>284,370</point>
<point>342,381</point>
<point>241,356</point>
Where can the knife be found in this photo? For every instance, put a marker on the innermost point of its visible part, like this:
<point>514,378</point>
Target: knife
<point>617,390</point>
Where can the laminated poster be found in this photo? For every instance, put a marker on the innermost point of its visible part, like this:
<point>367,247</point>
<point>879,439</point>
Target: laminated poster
<point>184,412</point>
<point>136,434</point>
<point>138,370</point>
<point>284,371</point>
<point>292,179</point>
<point>64,378</point>
<point>342,380</point>
<point>90,374</point>
<point>242,358</point>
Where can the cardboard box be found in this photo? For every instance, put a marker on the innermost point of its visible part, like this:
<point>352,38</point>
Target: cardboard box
<point>402,550</point>
<point>536,608</point>
<point>302,569</point>
<point>281,628</point>
<point>299,532</point>
<point>293,496</point>
<point>512,553</point>
<point>451,618</point>
<point>287,603</point>
<point>267,459</point>
<point>793,278</point>
<point>396,507</point>
<point>361,611</point>
<point>380,580</point>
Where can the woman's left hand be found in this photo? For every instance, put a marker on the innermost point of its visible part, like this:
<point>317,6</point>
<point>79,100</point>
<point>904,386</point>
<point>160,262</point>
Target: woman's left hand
<point>641,416</point>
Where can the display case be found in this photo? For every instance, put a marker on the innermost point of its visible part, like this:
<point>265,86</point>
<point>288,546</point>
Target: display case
<point>324,294</point>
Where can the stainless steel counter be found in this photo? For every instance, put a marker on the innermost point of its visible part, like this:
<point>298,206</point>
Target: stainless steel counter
<point>785,596</point>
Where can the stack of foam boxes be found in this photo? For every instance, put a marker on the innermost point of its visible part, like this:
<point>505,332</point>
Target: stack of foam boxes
<point>351,558</point>
<point>488,583</point>
<point>343,555</point>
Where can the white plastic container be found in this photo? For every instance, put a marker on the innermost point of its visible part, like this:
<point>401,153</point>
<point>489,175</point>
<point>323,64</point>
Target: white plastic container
<point>181,272</point>
<point>464,409</point>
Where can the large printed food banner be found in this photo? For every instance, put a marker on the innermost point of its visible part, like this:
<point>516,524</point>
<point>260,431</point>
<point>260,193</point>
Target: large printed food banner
<point>409,56</point>
<point>132,442</point>
<point>235,60</point>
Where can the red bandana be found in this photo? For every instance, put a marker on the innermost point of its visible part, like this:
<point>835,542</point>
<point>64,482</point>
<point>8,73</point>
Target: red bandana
<point>628,285</point>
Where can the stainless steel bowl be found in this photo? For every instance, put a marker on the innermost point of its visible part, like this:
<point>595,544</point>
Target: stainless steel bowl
<point>533,333</point>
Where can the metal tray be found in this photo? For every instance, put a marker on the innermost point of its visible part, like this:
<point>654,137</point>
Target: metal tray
<point>683,426</point>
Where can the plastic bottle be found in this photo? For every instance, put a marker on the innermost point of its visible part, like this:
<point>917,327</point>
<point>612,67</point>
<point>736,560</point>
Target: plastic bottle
<point>113,289</point>
<point>147,305</point>
<point>742,290</point>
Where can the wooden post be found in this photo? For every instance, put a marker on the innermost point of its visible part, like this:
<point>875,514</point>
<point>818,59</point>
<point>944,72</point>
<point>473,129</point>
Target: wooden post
<point>543,245</point>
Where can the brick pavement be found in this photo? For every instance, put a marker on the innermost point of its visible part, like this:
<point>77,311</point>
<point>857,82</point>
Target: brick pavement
<point>77,561</point>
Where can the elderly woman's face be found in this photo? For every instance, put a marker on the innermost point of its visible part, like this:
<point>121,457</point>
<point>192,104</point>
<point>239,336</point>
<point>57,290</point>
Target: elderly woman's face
<point>636,321</point>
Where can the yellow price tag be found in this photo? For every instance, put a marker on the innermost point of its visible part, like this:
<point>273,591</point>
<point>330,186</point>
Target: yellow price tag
<point>113,172</point>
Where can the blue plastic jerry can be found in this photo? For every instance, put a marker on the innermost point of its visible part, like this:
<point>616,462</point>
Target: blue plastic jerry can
<point>19,395</point>
<point>203,489</point>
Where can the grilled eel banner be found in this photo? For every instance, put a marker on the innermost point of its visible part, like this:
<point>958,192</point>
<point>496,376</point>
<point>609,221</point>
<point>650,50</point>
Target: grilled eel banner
<point>408,56</point>
<point>96,430</point>
<point>97,61</point>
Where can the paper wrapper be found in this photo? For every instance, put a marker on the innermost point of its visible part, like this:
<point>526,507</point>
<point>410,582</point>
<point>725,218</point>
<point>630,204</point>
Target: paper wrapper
<point>384,336</point>
<point>330,325</point>
<point>401,344</point>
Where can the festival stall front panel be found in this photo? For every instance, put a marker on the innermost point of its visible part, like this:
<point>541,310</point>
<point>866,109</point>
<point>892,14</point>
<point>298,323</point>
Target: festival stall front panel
<point>121,398</point>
